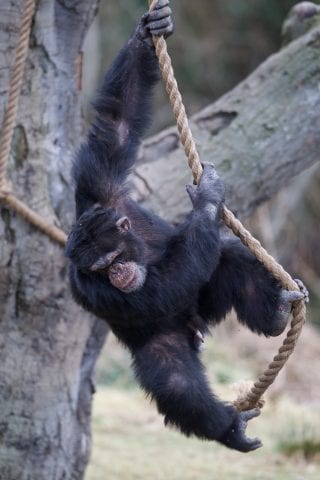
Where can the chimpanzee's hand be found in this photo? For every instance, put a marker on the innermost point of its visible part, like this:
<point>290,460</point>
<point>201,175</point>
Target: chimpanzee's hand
<point>236,437</point>
<point>158,22</point>
<point>209,194</point>
<point>287,298</point>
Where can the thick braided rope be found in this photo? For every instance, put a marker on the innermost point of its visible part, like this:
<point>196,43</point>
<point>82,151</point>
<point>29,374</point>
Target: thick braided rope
<point>53,232</point>
<point>8,126</point>
<point>298,313</point>
<point>15,86</point>
<point>253,396</point>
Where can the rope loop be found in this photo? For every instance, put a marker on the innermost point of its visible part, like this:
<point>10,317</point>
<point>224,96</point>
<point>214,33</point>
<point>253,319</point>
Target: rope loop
<point>15,86</point>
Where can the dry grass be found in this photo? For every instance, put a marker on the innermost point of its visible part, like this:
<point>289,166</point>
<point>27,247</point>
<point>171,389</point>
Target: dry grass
<point>130,441</point>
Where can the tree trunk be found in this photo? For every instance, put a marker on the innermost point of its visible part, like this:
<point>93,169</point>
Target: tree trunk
<point>259,136</point>
<point>48,345</point>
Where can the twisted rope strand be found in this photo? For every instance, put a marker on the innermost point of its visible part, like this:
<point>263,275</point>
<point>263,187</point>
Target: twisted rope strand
<point>299,311</point>
<point>9,121</point>
<point>15,86</point>
<point>36,220</point>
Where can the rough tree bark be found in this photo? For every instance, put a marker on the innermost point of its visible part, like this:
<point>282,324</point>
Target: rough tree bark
<point>48,347</point>
<point>259,135</point>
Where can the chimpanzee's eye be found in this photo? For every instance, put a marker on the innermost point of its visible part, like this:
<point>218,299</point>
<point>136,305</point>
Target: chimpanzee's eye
<point>110,257</point>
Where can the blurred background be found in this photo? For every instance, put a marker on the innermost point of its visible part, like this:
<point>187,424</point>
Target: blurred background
<point>216,44</point>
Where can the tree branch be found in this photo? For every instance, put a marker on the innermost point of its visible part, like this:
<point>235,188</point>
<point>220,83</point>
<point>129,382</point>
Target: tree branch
<point>259,135</point>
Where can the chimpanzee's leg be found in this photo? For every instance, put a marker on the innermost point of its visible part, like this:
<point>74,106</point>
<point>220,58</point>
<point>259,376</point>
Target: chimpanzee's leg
<point>169,370</point>
<point>242,282</point>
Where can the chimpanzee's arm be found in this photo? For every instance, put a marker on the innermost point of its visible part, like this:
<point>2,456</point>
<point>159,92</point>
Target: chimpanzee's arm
<point>173,282</point>
<point>172,285</point>
<point>123,107</point>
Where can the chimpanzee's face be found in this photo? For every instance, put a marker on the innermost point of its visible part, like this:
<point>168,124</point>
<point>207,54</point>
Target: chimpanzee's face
<point>102,242</point>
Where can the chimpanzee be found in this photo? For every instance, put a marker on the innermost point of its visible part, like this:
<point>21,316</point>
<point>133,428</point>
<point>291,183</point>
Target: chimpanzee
<point>160,286</point>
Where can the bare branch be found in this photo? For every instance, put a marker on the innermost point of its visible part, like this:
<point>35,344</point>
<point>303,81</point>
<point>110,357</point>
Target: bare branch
<point>259,135</point>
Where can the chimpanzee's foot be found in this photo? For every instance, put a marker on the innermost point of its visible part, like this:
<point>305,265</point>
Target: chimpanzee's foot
<point>287,298</point>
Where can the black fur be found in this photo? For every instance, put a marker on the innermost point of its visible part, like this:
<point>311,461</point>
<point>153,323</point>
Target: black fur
<point>191,272</point>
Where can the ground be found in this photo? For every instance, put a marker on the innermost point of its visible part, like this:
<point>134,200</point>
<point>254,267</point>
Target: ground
<point>130,441</point>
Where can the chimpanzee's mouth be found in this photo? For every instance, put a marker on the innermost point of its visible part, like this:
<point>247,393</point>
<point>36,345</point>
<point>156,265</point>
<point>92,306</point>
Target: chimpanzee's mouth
<point>131,283</point>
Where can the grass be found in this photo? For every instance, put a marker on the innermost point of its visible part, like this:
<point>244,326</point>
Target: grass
<point>130,441</point>
<point>299,435</point>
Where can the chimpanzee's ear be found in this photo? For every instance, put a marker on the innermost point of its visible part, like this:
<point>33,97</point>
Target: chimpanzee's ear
<point>123,224</point>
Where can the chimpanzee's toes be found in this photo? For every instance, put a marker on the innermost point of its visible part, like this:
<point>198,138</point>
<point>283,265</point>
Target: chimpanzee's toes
<point>303,289</point>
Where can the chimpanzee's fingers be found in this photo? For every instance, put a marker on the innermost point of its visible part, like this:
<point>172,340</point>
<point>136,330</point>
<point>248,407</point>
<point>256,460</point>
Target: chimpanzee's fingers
<point>159,14</point>
<point>160,21</point>
<point>210,178</point>
<point>162,24</point>
<point>209,164</point>
<point>161,4</point>
<point>209,171</point>
<point>165,31</point>
<point>249,414</point>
